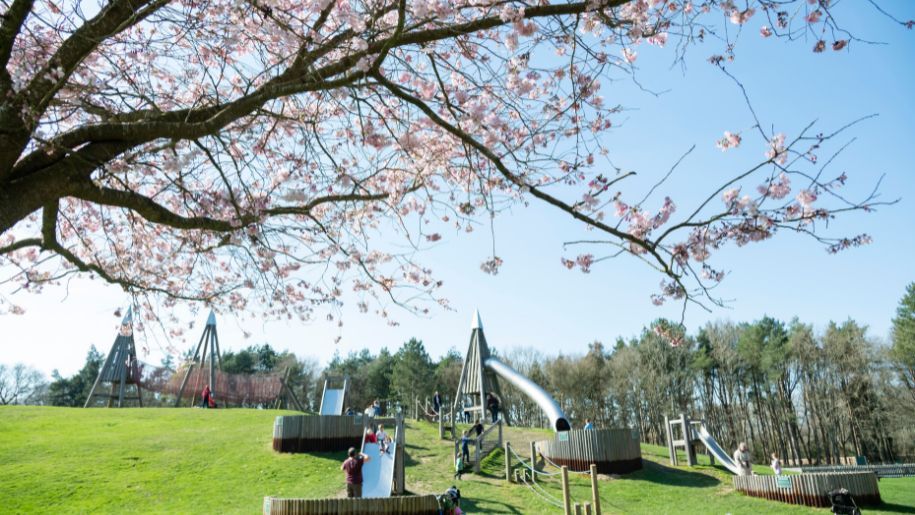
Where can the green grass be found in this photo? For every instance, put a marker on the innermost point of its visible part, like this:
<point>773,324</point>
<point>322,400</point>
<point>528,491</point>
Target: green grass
<point>60,460</point>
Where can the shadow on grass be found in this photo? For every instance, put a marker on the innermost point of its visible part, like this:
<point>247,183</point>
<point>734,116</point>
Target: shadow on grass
<point>470,506</point>
<point>896,508</point>
<point>657,473</point>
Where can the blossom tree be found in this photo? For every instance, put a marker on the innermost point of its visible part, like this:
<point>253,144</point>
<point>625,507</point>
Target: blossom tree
<point>275,153</point>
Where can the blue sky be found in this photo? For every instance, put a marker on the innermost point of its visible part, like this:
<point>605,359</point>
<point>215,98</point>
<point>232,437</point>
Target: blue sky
<point>535,302</point>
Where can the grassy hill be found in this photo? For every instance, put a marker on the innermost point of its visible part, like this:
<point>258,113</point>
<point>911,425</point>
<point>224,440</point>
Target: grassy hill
<point>63,460</point>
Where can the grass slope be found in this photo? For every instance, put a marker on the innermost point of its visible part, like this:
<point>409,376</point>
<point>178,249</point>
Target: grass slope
<point>61,460</point>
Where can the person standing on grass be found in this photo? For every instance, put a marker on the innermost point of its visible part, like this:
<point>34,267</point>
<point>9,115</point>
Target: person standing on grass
<point>742,460</point>
<point>205,397</point>
<point>465,446</point>
<point>776,465</point>
<point>458,463</point>
<point>353,469</point>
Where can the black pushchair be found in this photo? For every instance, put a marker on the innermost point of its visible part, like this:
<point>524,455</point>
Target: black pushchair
<point>843,502</point>
<point>449,500</point>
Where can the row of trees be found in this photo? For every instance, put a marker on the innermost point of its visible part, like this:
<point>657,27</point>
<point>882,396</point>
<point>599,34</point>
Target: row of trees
<point>818,396</point>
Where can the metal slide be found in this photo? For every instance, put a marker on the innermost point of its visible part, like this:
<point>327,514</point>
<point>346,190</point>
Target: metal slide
<point>549,406</point>
<point>716,450</point>
<point>332,402</point>
<point>378,472</point>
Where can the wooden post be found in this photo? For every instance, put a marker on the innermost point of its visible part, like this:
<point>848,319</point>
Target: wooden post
<point>566,496</point>
<point>595,495</point>
<point>533,462</point>
<point>476,454</point>
<point>500,430</point>
<point>508,462</point>
<point>690,453</point>
<point>453,423</point>
<point>671,450</point>
<point>577,508</point>
<point>441,426</point>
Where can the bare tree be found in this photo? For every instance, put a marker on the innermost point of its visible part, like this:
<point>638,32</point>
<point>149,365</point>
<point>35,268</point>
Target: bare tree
<point>19,384</point>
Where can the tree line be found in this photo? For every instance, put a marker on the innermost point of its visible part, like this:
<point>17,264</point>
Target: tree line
<point>821,397</point>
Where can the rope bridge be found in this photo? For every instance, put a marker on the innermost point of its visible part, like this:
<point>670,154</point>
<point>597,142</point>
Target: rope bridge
<point>236,389</point>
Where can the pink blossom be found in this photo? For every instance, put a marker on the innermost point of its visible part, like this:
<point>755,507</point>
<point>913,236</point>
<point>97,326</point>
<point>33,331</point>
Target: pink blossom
<point>814,16</point>
<point>777,151</point>
<point>741,17</point>
<point>819,46</point>
<point>839,45</point>
<point>730,196</point>
<point>629,55</point>
<point>765,31</point>
<point>730,140</point>
<point>584,261</point>
<point>806,198</point>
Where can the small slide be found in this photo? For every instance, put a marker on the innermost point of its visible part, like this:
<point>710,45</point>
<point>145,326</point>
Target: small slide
<point>378,473</point>
<point>332,402</point>
<point>716,450</point>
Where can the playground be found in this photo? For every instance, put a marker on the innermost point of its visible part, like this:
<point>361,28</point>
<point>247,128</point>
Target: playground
<point>227,460</point>
<point>69,460</point>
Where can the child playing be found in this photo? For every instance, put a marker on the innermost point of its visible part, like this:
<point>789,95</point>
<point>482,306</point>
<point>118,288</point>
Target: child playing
<point>370,436</point>
<point>458,464</point>
<point>776,465</point>
<point>383,439</point>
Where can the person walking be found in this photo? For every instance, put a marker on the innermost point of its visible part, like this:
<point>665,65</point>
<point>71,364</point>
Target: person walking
<point>458,463</point>
<point>437,403</point>
<point>742,460</point>
<point>352,467</point>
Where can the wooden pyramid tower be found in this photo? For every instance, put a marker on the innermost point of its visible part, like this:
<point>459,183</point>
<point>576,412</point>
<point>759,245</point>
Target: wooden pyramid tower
<point>476,379</point>
<point>206,355</point>
<point>121,368</point>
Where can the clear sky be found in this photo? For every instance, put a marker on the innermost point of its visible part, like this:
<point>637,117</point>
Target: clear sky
<point>535,302</point>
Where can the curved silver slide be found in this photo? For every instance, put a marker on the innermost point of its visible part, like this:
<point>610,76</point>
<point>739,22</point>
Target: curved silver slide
<point>378,472</point>
<point>716,450</point>
<point>549,406</point>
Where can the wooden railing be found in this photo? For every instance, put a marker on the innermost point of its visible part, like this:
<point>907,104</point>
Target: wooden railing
<point>893,470</point>
<point>811,489</point>
<point>407,505</point>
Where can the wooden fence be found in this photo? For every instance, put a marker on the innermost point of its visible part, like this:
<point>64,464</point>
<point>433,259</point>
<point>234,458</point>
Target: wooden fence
<point>811,489</point>
<point>305,433</point>
<point>893,470</point>
<point>408,505</point>
<point>614,451</point>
